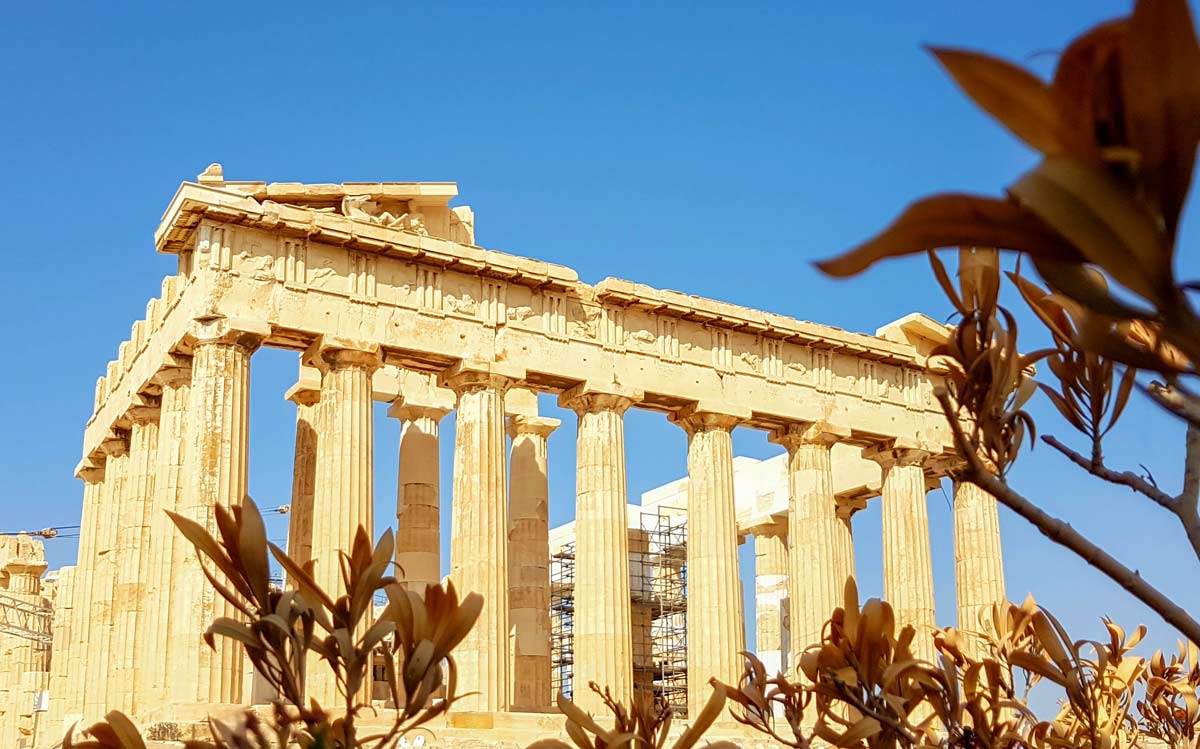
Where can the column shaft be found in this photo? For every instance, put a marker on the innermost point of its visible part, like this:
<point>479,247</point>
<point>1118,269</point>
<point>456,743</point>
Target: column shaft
<point>96,702</point>
<point>479,550</point>
<point>978,561</point>
<point>343,497</point>
<point>821,547</point>
<point>771,599</point>
<point>418,496</point>
<point>77,673</point>
<point>151,690</point>
<point>907,560</point>
<point>714,622</point>
<point>529,562</point>
<point>304,472</point>
<point>603,642</point>
<point>218,422</point>
<point>133,536</point>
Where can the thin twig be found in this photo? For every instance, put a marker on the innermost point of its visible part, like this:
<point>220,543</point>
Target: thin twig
<point>1063,534</point>
<point>1124,478</point>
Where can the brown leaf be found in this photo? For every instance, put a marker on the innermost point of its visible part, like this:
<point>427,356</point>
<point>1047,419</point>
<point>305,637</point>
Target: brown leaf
<point>1160,70</point>
<point>953,220</point>
<point>1018,99</point>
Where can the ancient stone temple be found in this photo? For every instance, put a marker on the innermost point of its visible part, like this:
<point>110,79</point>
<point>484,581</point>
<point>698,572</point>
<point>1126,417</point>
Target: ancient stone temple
<point>383,295</point>
<point>25,637</point>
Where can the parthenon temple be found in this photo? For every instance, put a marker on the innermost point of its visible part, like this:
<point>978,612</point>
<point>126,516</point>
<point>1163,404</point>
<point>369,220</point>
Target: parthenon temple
<point>383,295</point>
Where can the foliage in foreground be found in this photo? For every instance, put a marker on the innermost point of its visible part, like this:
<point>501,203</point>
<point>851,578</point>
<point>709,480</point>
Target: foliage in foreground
<point>1117,127</point>
<point>861,686</point>
<point>282,630</point>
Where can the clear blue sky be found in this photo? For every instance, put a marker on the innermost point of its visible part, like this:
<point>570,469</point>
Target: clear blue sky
<point>697,146</point>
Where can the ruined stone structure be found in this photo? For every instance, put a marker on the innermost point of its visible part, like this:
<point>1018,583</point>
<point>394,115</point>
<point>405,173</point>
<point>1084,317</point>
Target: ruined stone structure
<point>25,637</point>
<point>383,295</point>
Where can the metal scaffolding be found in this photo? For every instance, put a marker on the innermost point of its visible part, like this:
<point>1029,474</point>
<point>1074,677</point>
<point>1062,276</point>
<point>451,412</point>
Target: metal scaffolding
<point>31,621</point>
<point>658,593</point>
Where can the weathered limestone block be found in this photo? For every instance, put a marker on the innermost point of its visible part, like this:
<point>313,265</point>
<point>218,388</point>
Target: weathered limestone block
<point>978,561</point>
<point>603,630</point>
<point>529,561</point>
<point>820,543</point>
<point>907,560</point>
<point>218,431</point>
<point>479,551</point>
<point>714,619</point>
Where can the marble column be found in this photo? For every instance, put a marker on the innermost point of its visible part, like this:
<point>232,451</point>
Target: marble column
<point>603,642</point>
<point>529,561</point>
<point>771,617</point>
<point>92,474</point>
<point>479,549</point>
<point>714,605</point>
<point>907,560</point>
<point>978,562</point>
<point>343,496</point>
<point>215,465</point>
<point>820,543</point>
<point>307,397</point>
<point>60,652</point>
<point>166,543</point>
<point>418,494</point>
<point>129,589</point>
<point>99,640</point>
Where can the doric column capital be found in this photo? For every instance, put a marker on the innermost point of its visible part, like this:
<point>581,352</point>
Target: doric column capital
<point>303,394</point>
<point>143,414</point>
<point>116,444</point>
<point>772,528</point>
<point>539,426</point>
<point>471,376</point>
<point>897,452</point>
<point>406,412</point>
<point>335,352</point>
<point>589,398</point>
<point>792,436</point>
<point>705,416</point>
<point>90,470</point>
<point>173,376</point>
<point>213,328</point>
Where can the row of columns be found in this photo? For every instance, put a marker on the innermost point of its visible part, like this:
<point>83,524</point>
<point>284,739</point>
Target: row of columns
<point>188,452</point>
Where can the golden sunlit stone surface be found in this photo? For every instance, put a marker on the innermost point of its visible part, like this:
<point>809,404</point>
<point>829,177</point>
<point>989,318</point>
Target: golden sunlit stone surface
<point>384,294</point>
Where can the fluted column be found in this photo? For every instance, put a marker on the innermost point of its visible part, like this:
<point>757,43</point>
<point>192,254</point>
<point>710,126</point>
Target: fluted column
<point>771,617</point>
<point>129,591</point>
<point>978,561</point>
<point>92,474</point>
<point>714,605</point>
<point>60,652</point>
<point>96,703</point>
<point>218,423</point>
<point>479,549</point>
<point>529,561</point>
<point>820,543</point>
<point>603,643</point>
<point>418,494</point>
<point>907,560</point>
<point>343,497</point>
<point>307,397</point>
<point>154,663</point>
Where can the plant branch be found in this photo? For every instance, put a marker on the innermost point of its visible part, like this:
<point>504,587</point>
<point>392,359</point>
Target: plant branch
<point>1190,496</point>
<point>1124,478</point>
<point>1063,534</point>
